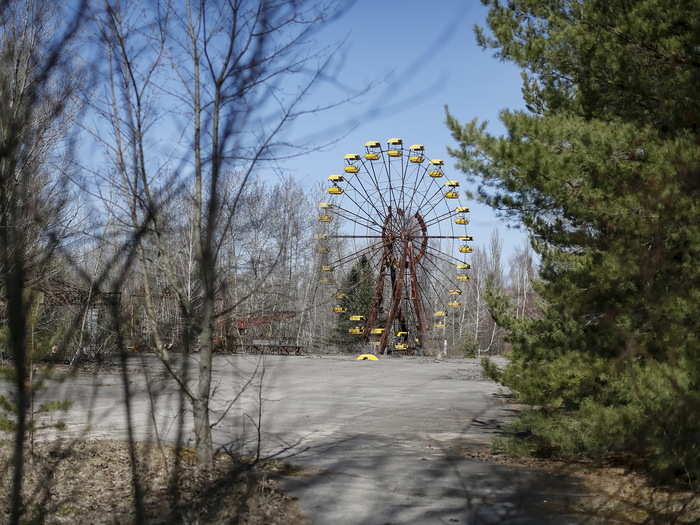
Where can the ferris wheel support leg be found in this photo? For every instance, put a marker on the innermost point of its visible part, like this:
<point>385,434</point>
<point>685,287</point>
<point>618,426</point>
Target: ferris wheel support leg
<point>415,296</point>
<point>395,305</point>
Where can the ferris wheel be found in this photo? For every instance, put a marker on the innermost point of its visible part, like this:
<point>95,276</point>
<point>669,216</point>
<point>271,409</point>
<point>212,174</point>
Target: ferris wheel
<point>395,209</point>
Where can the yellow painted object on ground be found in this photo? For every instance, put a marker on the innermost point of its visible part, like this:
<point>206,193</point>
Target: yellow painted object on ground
<point>335,190</point>
<point>351,169</point>
<point>367,357</point>
<point>394,152</point>
<point>352,156</point>
<point>416,159</point>
<point>451,195</point>
<point>372,156</point>
<point>436,174</point>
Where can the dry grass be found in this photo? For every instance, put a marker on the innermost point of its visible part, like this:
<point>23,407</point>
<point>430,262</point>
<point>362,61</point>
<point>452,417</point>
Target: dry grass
<point>91,482</point>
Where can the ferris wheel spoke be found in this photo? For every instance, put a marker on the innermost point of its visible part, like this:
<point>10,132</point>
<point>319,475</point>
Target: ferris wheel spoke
<point>451,259</point>
<point>374,226</point>
<point>417,182</point>
<point>356,254</point>
<point>366,197</point>
<point>365,212</point>
<point>441,217</point>
<point>375,181</point>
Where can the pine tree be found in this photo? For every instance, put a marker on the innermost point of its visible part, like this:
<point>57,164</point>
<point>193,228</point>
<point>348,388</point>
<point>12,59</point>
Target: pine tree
<point>604,171</point>
<point>357,291</point>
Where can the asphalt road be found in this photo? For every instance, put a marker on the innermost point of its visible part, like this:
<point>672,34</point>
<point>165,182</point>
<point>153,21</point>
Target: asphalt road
<point>377,442</point>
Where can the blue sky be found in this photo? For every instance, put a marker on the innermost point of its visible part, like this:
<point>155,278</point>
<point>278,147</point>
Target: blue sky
<point>420,56</point>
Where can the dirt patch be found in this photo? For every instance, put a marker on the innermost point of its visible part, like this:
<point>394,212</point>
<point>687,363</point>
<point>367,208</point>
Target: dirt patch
<point>91,482</point>
<point>616,494</point>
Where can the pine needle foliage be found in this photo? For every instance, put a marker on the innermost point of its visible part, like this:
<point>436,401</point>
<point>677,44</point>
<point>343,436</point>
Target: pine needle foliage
<point>603,169</point>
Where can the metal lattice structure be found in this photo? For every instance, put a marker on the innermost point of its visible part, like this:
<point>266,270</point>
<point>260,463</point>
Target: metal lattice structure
<point>396,207</point>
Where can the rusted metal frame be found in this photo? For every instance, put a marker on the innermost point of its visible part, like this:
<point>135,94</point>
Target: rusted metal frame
<point>378,294</point>
<point>395,302</point>
<point>415,295</point>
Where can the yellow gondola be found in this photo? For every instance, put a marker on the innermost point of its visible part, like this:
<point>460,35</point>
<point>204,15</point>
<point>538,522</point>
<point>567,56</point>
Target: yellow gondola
<point>372,144</point>
<point>321,236</point>
<point>352,156</point>
<point>335,190</point>
<point>454,304</point>
<point>401,346</point>
<point>439,325</point>
<point>321,249</point>
<point>324,218</point>
<point>325,205</point>
<point>465,249</point>
<point>461,220</point>
<point>336,178</point>
<point>394,142</point>
<point>372,156</point>
<point>326,268</point>
<point>394,152</point>
<point>451,195</point>
<point>439,314</point>
<point>463,278</point>
<point>437,162</point>
<point>416,159</point>
<point>356,331</point>
<point>351,169</point>
<point>357,318</point>
<point>466,238</point>
<point>339,309</point>
<point>455,291</point>
<point>399,334</point>
<point>416,147</point>
<point>377,331</point>
<point>462,209</point>
<point>464,266</point>
<point>452,183</point>
<point>341,295</point>
<point>436,174</point>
